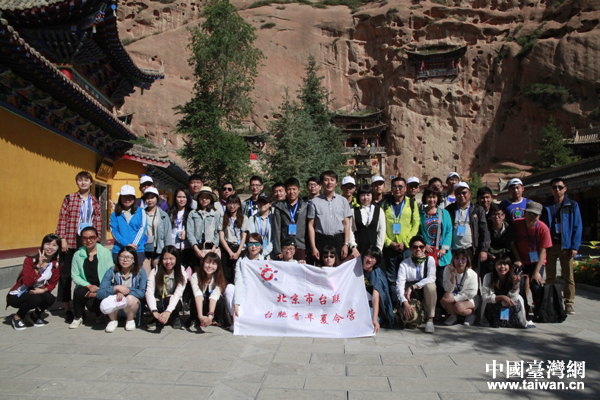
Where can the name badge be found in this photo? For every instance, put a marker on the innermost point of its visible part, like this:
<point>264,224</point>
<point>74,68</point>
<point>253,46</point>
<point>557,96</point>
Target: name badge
<point>85,225</point>
<point>397,228</point>
<point>239,241</point>
<point>292,229</point>
<point>265,243</point>
<point>533,256</point>
<point>504,313</point>
<point>461,230</point>
<point>557,228</point>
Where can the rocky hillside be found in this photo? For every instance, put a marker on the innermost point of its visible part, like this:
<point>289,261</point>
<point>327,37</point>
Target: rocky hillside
<point>489,113</point>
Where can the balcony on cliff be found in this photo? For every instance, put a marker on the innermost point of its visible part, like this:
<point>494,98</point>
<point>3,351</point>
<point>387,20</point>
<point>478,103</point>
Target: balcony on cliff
<point>438,60</point>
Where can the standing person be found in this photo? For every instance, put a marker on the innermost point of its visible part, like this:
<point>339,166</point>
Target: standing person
<point>194,184</point>
<point>227,190</point>
<point>233,229</point>
<point>563,218</point>
<point>158,230</point>
<point>164,289</point>
<point>329,219</point>
<point>348,188</point>
<point>460,285</point>
<point>514,206</point>
<point>127,281</point>
<point>278,190</point>
<point>413,187</point>
<point>402,223</point>
<point>416,280</point>
<point>128,224</point>
<point>313,186</point>
<point>35,283</point>
<point>436,229</point>
<point>533,240</point>
<point>147,182</point>
<point>289,221</point>
<point>203,224</point>
<point>213,297</point>
<point>449,197</point>
<point>250,206</point>
<point>502,236</point>
<point>377,288</point>
<point>179,213</point>
<point>90,263</point>
<point>79,210</point>
<point>367,223</point>
<point>378,185</point>
<point>263,223</point>
<point>485,200</point>
<point>502,304</point>
<point>436,184</point>
<point>469,227</point>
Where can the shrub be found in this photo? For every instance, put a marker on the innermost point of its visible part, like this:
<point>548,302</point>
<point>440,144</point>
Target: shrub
<point>546,94</point>
<point>507,170</point>
<point>595,114</point>
<point>587,272</point>
<point>393,10</point>
<point>280,7</point>
<point>268,25</point>
<point>528,42</point>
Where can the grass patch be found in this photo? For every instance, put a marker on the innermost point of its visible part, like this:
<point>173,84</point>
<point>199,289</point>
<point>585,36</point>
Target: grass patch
<point>547,94</point>
<point>412,7</point>
<point>142,141</point>
<point>352,4</point>
<point>280,7</point>
<point>461,18</point>
<point>506,170</point>
<point>319,5</point>
<point>128,41</point>
<point>442,2</point>
<point>392,10</point>
<point>528,42</point>
<point>268,25</point>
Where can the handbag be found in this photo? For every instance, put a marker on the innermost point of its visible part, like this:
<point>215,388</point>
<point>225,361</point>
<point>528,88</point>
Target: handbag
<point>110,304</point>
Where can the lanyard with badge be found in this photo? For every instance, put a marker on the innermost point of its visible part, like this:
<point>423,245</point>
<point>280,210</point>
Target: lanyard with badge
<point>292,228</point>
<point>369,214</point>
<point>461,229</point>
<point>556,223</point>
<point>239,239</point>
<point>266,234</point>
<point>459,285</point>
<point>533,254</point>
<point>397,226</point>
<point>88,212</point>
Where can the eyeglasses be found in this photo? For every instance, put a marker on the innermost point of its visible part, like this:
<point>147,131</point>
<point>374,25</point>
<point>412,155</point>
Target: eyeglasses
<point>463,193</point>
<point>122,258</point>
<point>88,238</point>
<point>413,186</point>
<point>497,216</point>
<point>227,189</point>
<point>250,244</point>
<point>254,186</point>
<point>397,187</point>
<point>329,256</point>
<point>558,187</point>
<point>461,260</point>
<point>415,247</point>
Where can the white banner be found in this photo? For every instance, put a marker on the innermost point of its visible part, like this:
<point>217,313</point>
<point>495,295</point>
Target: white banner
<point>289,299</point>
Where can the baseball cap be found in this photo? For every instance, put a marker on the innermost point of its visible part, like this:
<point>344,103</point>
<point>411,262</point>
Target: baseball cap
<point>145,178</point>
<point>347,180</point>
<point>263,197</point>
<point>412,179</point>
<point>127,190</point>
<point>377,178</point>
<point>515,181</point>
<point>534,207</point>
<point>150,190</point>
<point>461,185</point>
<point>451,174</point>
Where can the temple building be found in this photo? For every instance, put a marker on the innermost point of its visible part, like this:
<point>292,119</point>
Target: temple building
<point>436,61</point>
<point>365,143</point>
<point>64,74</point>
<point>585,142</point>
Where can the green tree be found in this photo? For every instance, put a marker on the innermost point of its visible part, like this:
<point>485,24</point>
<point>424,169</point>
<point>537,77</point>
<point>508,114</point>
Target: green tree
<point>552,148</point>
<point>475,183</point>
<point>225,64</point>
<point>303,140</point>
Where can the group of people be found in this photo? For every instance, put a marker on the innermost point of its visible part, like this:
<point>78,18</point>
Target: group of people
<point>445,254</point>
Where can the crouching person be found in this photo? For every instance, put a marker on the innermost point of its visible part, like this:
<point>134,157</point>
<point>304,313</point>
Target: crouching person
<point>122,290</point>
<point>460,286</point>
<point>416,283</point>
<point>377,288</point>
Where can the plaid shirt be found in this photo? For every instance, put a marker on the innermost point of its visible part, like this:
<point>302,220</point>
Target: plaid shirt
<point>68,219</point>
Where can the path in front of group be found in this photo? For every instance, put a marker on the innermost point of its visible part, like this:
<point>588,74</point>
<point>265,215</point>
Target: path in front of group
<point>54,361</point>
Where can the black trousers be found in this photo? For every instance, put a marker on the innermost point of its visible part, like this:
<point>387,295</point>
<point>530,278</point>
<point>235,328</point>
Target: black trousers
<point>337,241</point>
<point>222,315</point>
<point>80,302</point>
<point>30,301</point>
<point>229,264</point>
<point>163,304</point>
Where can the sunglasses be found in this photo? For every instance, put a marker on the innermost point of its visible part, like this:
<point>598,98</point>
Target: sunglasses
<point>397,187</point>
<point>465,193</point>
<point>227,189</point>
<point>250,244</point>
<point>329,256</point>
<point>418,247</point>
<point>461,260</point>
<point>88,238</point>
<point>558,187</point>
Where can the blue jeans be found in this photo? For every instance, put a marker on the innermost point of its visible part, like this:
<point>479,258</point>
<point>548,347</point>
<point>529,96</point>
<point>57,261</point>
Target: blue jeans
<point>392,261</point>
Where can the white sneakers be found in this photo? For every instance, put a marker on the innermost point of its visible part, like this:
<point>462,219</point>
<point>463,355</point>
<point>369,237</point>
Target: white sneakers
<point>112,325</point>
<point>429,328</point>
<point>130,325</point>
<point>451,320</point>
<point>470,320</point>
<point>76,323</point>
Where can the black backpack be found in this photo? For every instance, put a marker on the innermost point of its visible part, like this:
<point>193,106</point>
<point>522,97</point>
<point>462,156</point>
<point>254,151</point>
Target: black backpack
<point>551,308</point>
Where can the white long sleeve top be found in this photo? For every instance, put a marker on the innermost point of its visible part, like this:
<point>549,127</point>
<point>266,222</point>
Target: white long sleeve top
<point>468,284</point>
<point>407,272</point>
<point>366,214</point>
<point>151,284</point>
<point>488,293</point>
<point>199,291</point>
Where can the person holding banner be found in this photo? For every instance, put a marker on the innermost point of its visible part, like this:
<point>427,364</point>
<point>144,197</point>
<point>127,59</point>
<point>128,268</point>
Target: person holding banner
<point>213,297</point>
<point>262,223</point>
<point>377,288</point>
<point>288,250</point>
<point>329,257</point>
<point>164,289</point>
<point>253,252</point>
<point>416,281</point>
<point>233,229</point>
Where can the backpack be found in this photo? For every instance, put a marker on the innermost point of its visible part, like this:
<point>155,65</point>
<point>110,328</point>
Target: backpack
<point>551,308</point>
<point>388,203</point>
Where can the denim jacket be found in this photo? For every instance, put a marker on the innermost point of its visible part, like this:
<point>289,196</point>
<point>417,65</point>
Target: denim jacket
<point>202,227</point>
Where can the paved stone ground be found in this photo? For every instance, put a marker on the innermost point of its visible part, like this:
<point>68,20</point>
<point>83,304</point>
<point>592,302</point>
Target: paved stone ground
<point>54,361</point>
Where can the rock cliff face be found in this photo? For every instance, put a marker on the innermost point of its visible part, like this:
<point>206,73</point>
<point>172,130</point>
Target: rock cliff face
<point>465,122</point>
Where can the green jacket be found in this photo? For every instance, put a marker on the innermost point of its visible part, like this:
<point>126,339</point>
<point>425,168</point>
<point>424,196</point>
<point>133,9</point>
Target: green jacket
<point>409,221</point>
<point>105,262</point>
